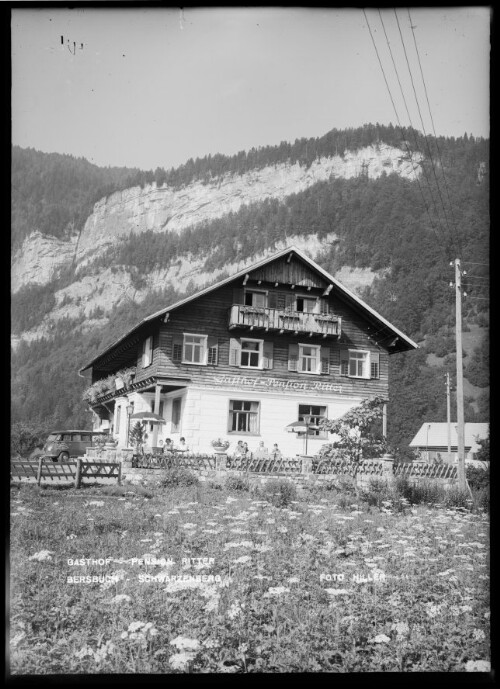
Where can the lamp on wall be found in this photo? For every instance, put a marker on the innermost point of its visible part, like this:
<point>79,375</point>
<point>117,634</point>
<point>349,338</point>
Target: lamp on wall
<point>130,411</point>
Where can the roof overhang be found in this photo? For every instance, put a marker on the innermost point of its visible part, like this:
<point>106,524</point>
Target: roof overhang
<point>384,330</point>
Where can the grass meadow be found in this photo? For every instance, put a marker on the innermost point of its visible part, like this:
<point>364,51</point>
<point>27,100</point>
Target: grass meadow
<point>243,582</point>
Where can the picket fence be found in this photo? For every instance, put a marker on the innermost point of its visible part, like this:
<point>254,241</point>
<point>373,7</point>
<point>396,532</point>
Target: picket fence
<point>75,470</point>
<point>294,465</point>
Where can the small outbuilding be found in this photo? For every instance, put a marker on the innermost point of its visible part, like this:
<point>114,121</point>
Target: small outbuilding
<point>431,441</point>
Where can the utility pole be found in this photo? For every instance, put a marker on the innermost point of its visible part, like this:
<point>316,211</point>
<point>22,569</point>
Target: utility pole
<point>460,382</point>
<point>448,414</point>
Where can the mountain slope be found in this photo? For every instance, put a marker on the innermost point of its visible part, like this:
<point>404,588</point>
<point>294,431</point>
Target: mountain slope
<point>364,213</point>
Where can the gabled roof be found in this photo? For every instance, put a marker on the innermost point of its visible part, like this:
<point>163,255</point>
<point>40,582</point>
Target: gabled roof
<point>354,300</point>
<point>436,435</point>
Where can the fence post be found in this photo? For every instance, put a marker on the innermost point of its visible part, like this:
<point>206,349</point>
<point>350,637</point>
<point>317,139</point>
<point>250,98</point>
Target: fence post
<point>388,468</point>
<point>306,465</point>
<point>220,461</point>
<point>39,472</point>
<point>119,473</point>
<point>78,472</point>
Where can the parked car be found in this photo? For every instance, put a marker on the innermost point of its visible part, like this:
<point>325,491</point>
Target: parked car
<point>61,445</point>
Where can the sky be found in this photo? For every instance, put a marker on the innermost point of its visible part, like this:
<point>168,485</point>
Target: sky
<point>152,87</point>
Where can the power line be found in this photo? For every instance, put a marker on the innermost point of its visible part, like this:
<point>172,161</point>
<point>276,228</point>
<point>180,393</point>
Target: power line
<point>471,263</point>
<point>434,129</point>
<point>408,113</point>
<point>425,133</point>
<point>401,132</point>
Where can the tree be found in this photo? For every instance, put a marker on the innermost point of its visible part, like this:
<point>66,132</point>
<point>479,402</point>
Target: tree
<point>356,436</point>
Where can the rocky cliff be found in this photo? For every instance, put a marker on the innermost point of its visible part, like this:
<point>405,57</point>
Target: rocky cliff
<point>164,209</point>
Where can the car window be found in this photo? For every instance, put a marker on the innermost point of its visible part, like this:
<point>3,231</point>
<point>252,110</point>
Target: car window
<point>76,436</point>
<point>54,436</point>
<point>66,437</point>
<point>86,437</point>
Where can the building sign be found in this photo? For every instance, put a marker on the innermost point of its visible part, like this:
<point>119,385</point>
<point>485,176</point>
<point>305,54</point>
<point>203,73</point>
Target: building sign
<point>277,384</point>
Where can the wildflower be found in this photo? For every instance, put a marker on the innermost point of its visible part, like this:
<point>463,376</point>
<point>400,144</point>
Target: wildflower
<point>433,610</point>
<point>242,560</point>
<point>121,598</point>
<point>183,643</point>
<point>401,628</point>
<point>293,580</point>
<point>17,638</point>
<point>42,555</point>
<point>337,592</point>
<point>478,666</point>
<point>466,608</point>
<point>276,591</point>
<point>487,615</point>
<point>180,661</point>
<point>97,503</point>
<point>235,610</point>
<point>380,639</point>
<point>211,643</point>
<point>282,529</point>
<point>478,635</point>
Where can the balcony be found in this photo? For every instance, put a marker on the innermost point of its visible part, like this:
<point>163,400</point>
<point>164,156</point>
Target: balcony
<point>263,318</point>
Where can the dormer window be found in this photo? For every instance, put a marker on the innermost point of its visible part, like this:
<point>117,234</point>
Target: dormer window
<point>306,304</point>
<point>255,298</point>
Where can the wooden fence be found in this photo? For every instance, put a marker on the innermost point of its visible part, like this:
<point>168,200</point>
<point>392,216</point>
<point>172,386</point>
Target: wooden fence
<point>418,470</point>
<point>75,470</point>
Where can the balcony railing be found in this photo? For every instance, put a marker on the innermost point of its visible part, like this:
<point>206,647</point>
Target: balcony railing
<point>253,317</point>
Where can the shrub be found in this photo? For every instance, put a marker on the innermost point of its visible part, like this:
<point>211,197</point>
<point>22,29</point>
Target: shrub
<point>458,498</point>
<point>376,493</point>
<point>421,492</point>
<point>177,476</point>
<point>236,483</point>
<point>481,499</point>
<point>280,492</point>
<point>478,478</point>
<point>25,437</point>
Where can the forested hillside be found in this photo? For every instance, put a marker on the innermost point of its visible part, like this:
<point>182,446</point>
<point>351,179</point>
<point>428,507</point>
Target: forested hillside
<point>390,225</point>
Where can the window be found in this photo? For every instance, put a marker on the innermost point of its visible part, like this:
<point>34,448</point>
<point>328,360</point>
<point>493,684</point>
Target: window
<point>195,349</point>
<point>315,414</point>
<point>251,353</point>
<point>255,298</point>
<point>306,304</point>
<point>176,415</point>
<point>147,352</point>
<point>356,363</point>
<point>243,417</point>
<point>190,348</point>
<point>309,358</point>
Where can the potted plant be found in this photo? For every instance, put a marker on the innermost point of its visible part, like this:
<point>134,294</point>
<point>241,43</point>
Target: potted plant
<point>138,437</point>
<point>124,377</point>
<point>220,445</point>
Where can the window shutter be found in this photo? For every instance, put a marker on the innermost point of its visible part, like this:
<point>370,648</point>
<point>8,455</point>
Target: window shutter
<point>272,300</point>
<point>344,362</point>
<point>177,342</point>
<point>290,302</point>
<point>213,351</point>
<point>375,365</point>
<point>268,355</point>
<point>143,353</point>
<point>150,349</point>
<point>324,306</point>
<point>234,351</point>
<point>238,296</point>
<point>281,300</point>
<point>325,359</point>
<point>293,357</point>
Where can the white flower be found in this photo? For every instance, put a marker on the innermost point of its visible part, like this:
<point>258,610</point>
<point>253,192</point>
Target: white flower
<point>189,526</point>
<point>276,591</point>
<point>478,635</point>
<point>134,626</point>
<point>180,661</point>
<point>401,628</point>
<point>293,580</point>
<point>478,666</point>
<point>42,555</point>
<point>337,592</point>
<point>121,598</point>
<point>234,611</point>
<point>380,639</point>
<point>211,643</point>
<point>242,560</point>
<point>183,643</point>
<point>17,638</point>
<point>97,503</point>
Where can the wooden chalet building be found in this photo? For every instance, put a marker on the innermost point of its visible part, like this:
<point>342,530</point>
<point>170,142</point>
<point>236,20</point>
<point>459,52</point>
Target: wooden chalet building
<point>275,343</point>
